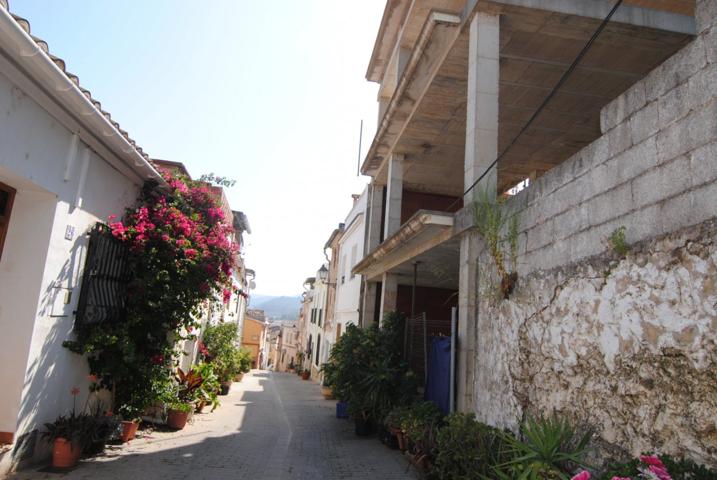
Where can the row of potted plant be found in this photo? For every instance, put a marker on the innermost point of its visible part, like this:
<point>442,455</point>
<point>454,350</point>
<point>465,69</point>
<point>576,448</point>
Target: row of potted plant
<point>457,446</point>
<point>376,389</point>
<point>368,374</point>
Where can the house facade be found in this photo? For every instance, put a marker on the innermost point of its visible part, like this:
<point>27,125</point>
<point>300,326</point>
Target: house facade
<point>289,347</point>
<point>254,335</point>
<point>603,295</point>
<point>64,166</point>
<point>349,251</point>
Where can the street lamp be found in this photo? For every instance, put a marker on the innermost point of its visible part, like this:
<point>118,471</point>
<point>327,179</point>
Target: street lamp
<point>323,275</point>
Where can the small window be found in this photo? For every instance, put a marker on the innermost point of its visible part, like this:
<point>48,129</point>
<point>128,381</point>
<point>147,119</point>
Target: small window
<point>7,196</point>
<point>320,313</point>
<point>318,349</point>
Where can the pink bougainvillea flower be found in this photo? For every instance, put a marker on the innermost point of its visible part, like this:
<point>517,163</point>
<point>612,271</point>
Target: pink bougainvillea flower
<point>190,253</point>
<point>227,295</point>
<point>92,378</point>
<point>74,391</point>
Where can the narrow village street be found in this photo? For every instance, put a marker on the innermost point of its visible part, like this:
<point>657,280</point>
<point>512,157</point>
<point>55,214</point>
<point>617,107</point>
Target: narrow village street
<point>271,426</point>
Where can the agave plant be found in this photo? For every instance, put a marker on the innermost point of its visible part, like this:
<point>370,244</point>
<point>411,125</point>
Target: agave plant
<point>549,448</point>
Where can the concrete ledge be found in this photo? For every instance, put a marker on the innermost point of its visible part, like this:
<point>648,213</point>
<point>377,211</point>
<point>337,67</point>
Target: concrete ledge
<point>423,231</point>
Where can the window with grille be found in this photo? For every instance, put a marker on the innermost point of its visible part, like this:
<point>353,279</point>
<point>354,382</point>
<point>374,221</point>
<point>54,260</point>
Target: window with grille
<point>7,196</point>
<point>104,281</point>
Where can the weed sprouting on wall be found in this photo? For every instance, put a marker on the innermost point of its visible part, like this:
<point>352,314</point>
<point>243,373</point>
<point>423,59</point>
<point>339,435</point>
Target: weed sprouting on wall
<point>499,228</point>
<point>617,242</point>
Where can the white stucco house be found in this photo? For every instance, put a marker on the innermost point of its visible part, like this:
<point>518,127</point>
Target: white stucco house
<point>351,250</point>
<point>64,165</point>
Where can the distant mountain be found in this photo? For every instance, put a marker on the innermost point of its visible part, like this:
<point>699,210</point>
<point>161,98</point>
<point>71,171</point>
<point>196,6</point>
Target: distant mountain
<point>277,308</point>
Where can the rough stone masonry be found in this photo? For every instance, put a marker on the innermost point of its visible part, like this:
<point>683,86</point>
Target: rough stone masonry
<point>625,345</point>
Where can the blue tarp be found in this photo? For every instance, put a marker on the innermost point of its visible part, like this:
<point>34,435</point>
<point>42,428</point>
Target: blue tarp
<point>438,384</point>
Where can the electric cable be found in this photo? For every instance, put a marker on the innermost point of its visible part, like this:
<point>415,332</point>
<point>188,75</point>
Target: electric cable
<point>547,99</point>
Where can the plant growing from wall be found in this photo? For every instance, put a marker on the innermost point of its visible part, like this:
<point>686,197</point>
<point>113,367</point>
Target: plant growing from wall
<point>181,256</point>
<point>499,228</point>
<point>617,242</point>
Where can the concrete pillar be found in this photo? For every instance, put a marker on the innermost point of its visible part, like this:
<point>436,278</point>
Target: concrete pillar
<point>481,151</point>
<point>482,103</point>
<point>389,294</point>
<point>394,195</point>
<point>368,303</point>
<point>374,212</point>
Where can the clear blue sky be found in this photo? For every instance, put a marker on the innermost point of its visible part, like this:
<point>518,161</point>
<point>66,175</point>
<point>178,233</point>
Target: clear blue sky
<point>269,93</point>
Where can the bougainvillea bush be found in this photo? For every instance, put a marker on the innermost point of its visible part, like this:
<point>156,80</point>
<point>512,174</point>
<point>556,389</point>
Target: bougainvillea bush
<point>181,256</point>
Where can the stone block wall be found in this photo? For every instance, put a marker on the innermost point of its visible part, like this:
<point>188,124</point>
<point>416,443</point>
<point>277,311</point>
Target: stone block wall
<point>626,344</point>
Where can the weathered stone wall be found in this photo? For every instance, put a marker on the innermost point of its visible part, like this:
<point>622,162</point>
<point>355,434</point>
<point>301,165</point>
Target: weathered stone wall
<point>627,345</point>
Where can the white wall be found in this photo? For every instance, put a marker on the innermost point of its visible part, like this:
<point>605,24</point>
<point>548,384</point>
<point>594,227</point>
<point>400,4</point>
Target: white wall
<point>40,267</point>
<point>348,292</point>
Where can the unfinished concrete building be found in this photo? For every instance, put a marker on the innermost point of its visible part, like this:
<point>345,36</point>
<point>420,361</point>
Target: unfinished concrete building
<point>627,141</point>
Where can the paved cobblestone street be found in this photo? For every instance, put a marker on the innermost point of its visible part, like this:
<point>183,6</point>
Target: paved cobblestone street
<point>270,426</point>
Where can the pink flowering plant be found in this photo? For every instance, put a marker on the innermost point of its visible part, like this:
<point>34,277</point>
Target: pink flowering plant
<point>659,467</point>
<point>181,256</point>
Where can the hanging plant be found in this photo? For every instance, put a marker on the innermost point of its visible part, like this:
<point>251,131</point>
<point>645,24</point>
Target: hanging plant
<point>499,228</point>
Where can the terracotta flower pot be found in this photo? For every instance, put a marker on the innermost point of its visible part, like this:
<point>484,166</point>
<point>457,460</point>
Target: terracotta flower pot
<point>177,419</point>
<point>401,437</point>
<point>129,430</point>
<point>64,453</point>
<point>305,375</point>
<point>327,393</point>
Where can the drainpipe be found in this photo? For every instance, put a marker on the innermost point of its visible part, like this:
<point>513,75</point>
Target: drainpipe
<point>38,66</point>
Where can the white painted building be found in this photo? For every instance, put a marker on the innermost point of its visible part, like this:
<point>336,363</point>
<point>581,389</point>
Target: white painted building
<point>315,343</point>
<point>64,165</point>
<point>351,251</point>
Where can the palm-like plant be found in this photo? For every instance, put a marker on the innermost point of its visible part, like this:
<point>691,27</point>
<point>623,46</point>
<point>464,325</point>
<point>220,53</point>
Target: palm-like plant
<point>550,446</point>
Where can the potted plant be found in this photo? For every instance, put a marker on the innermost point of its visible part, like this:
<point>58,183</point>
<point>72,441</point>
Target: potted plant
<point>394,421</point>
<point>306,374</point>
<point>100,425</point>
<point>65,435</point>
<point>131,415</point>
<point>207,391</point>
<point>329,376</point>
<point>178,414</point>
<point>181,397</point>
<point>420,424</point>
<point>220,344</point>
